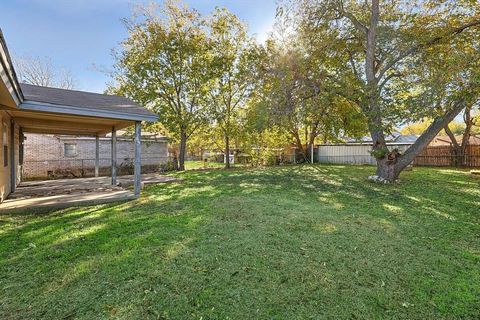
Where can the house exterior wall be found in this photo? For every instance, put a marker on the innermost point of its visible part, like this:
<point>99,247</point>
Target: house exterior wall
<point>5,171</point>
<point>45,156</point>
<point>351,153</point>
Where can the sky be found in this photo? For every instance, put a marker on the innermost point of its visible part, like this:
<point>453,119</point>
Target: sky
<point>79,35</point>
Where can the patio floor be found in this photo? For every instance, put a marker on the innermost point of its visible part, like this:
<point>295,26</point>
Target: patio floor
<point>73,192</point>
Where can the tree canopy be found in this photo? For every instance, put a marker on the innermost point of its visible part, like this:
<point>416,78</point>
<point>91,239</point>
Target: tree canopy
<point>331,69</point>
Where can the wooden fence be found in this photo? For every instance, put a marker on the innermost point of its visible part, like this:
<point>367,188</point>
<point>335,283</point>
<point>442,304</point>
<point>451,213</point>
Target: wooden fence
<point>444,156</point>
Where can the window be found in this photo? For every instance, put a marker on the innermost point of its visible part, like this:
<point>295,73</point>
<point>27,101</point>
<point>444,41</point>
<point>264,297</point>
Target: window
<point>5,144</point>
<point>70,149</point>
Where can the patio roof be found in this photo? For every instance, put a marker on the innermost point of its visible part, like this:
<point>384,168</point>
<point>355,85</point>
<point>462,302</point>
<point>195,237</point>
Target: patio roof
<point>60,111</point>
<point>37,98</point>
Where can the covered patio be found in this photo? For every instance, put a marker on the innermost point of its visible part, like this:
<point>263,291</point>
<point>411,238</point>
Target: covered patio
<point>58,111</point>
<point>26,108</point>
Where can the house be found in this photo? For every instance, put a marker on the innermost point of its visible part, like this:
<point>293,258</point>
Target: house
<point>35,109</point>
<point>64,156</point>
<point>445,140</point>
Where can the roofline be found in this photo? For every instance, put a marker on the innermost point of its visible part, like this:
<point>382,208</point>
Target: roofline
<point>7,65</point>
<point>30,105</point>
<point>74,90</point>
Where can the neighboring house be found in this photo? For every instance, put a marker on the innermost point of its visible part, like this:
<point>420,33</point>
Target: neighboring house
<point>62,156</point>
<point>35,109</point>
<point>358,151</point>
<point>445,140</point>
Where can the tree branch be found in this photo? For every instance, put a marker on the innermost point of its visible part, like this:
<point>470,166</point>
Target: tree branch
<point>429,134</point>
<point>452,137</point>
<point>426,44</point>
<point>360,26</point>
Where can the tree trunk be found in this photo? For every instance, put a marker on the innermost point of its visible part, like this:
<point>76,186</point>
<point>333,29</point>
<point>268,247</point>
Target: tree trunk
<point>311,140</point>
<point>175,161</point>
<point>457,150</point>
<point>299,152</point>
<point>227,151</point>
<point>392,163</point>
<point>183,148</point>
<point>467,117</point>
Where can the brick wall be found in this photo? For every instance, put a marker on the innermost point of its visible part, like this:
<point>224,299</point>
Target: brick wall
<point>45,156</point>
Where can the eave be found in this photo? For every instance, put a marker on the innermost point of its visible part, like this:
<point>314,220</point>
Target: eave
<point>82,111</point>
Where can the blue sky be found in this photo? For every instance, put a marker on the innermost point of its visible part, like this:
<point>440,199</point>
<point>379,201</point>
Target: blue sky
<point>80,34</point>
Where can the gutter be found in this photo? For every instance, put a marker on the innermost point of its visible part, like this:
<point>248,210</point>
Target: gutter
<point>7,64</point>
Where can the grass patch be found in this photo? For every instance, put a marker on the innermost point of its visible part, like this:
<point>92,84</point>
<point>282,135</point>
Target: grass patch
<point>199,165</point>
<point>295,242</point>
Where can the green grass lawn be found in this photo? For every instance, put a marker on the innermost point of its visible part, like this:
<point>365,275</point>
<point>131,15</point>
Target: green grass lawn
<point>198,165</point>
<point>303,242</point>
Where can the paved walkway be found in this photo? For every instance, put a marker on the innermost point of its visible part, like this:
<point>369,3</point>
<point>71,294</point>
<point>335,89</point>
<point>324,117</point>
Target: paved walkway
<point>74,192</point>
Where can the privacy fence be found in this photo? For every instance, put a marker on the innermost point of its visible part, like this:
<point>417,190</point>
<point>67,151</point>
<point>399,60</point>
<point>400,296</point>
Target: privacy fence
<point>359,153</point>
<point>444,156</point>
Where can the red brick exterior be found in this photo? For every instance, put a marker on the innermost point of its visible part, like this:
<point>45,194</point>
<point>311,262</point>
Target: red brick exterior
<point>45,156</point>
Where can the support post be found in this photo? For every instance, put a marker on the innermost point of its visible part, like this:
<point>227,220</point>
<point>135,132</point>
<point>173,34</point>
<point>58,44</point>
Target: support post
<point>97,155</point>
<point>21,152</point>
<point>138,158</point>
<point>114,156</point>
<point>13,169</point>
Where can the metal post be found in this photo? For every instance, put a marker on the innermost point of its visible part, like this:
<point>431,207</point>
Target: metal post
<point>21,152</point>
<point>114,156</point>
<point>97,155</point>
<point>138,157</point>
<point>13,169</point>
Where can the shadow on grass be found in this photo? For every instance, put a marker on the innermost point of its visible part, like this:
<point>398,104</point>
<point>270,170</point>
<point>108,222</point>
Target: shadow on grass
<point>303,240</point>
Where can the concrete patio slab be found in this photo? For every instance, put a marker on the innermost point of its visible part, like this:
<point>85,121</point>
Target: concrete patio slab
<point>63,193</point>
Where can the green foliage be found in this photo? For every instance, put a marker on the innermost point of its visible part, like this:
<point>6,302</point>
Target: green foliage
<point>234,70</point>
<point>163,64</point>
<point>298,93</point>
<point>379,153</point>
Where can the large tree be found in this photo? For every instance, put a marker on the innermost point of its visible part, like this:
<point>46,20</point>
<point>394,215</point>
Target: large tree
<point>235,73</point>
<point>165,65</point>
<point>302,99</point>
<point>383,45</point>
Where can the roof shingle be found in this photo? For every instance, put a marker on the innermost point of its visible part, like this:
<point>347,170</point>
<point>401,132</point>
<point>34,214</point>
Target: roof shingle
<point>82,99</point>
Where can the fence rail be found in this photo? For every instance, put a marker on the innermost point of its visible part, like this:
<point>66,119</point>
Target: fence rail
<point>72,168</point>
